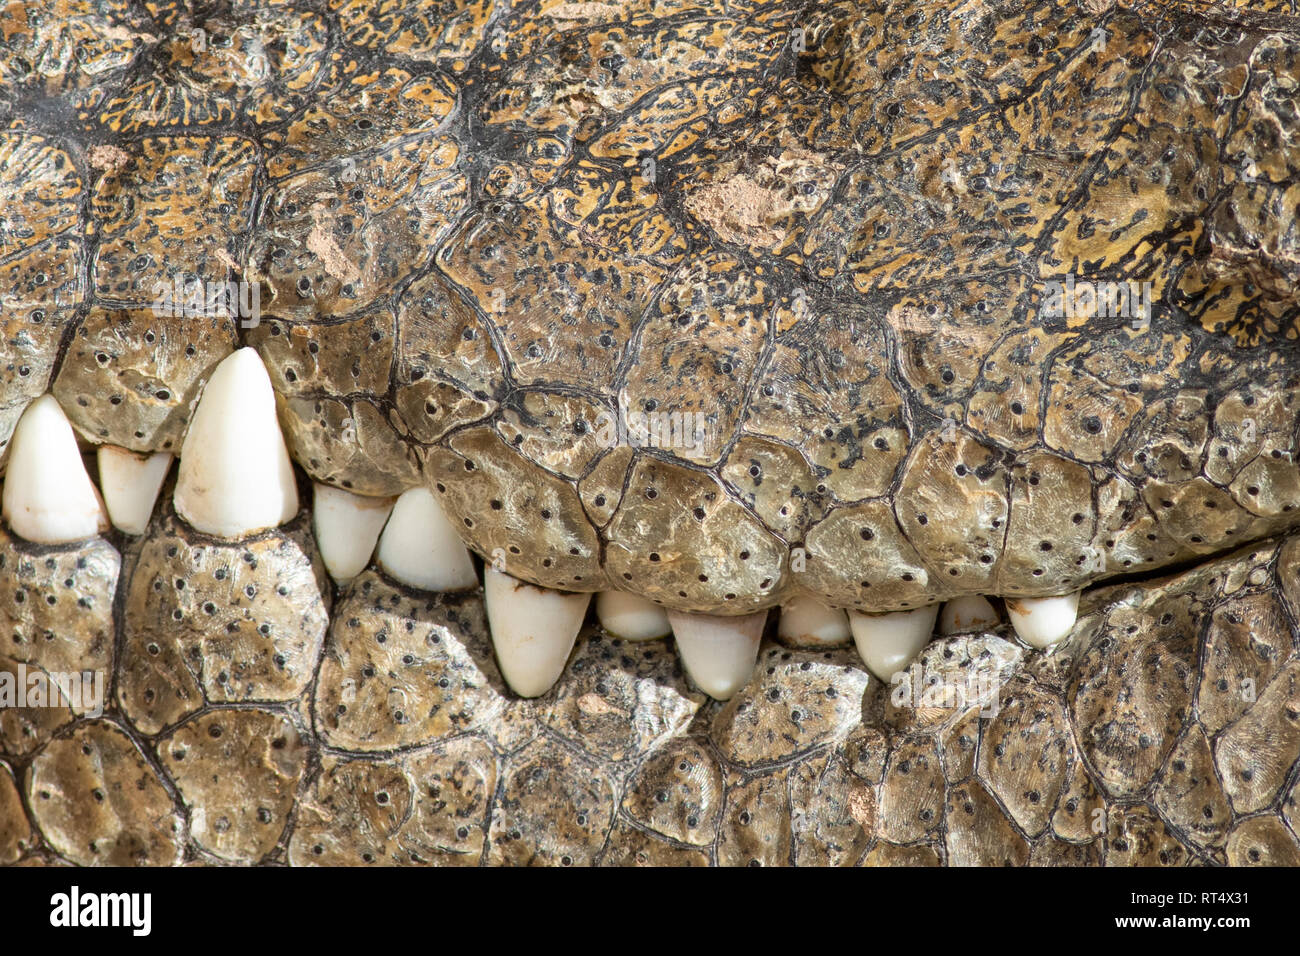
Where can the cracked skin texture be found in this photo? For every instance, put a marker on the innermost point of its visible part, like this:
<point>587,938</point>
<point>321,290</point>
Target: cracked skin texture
<point>837,257</point>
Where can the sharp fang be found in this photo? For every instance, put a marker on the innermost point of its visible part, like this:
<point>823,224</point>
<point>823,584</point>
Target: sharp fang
<point>533,630</point>
<point>807,622</point>
<point>631,616</point>
<point>131,483</point>
<point>718,652</point>
<point>419,547</point>
<point>347,527</point>
<point>235,475</point>
<point>971,612</point>
<point>1043,622</point>
<point>48,497</point>
<point>887,643</point>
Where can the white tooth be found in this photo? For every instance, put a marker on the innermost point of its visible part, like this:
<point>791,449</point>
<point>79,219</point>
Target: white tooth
<point>631,617</point>
<point>718,652</point>
<point>419,547</point>
<point>1043,622</point>
<point>48,497</point>
<point>131,483</point>
<point>807,622</point>
<point>235,476</point>
<point>971,612</point>
<point>347,527</point>
<point>533,630</point>
<point>887,643</point>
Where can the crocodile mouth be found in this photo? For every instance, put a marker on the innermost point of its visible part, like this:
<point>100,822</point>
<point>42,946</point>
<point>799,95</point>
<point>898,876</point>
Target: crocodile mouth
<point>355,650</point>
<point>236,480</point>
<point>548,439</point>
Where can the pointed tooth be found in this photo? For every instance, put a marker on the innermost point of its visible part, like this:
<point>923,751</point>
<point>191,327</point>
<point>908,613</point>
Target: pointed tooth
<point>347,527</point>
<point>533,630</point>
<point>718,652</point>
<point>631,617</point>
<point>1043,622</point>
<point>235,475</point>
<point>48,497</point>
<point>419,547</point>
<point>807,622</point>
<point>130,483</point>
<point>887,643</point>
<point>971,612</point>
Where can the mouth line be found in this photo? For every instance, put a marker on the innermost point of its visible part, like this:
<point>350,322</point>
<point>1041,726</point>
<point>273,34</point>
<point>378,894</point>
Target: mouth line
<point>238,481</point>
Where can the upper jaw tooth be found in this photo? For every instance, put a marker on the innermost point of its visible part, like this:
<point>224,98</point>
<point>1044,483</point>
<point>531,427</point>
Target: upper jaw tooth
<point>631,617</point>
<point>1043,622</point>
<point>972,612</point>
<point>887,643</point>
<point>533,630</point>
<point>420,548</point>
<point>48,497</point>
<point>131,482</point>
<point>718,652</point>
<point>347,527</point>
<point>806,621</point>
<point>235,475</point>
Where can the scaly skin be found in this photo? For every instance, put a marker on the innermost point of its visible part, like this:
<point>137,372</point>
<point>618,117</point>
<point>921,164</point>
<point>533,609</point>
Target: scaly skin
<point>837,256</point>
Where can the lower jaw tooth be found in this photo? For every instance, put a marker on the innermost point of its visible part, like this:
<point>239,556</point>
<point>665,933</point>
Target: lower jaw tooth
<point>807,622</point>
<point>48,497</point>
<point>130,483</point>
<point>718,652</point>
<point>533,630</point>
<point>347,527</point>
<point>631,617</point>
<point>969,613</point>
<point>419,547</point>
<point>887,643</point>
<point>1043,622</point>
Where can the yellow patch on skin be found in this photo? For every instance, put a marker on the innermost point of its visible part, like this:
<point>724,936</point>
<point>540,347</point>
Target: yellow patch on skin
<point>862,808</point>
<point>321,243</point>
<point>596,706</point>
<point>111,158</point>
<point>572,13</point>
<point>758,208</point>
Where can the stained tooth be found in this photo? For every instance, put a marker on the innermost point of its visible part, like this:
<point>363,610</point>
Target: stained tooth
<point>533,630</point>
<point>347,527</point>
<point>235,476</point>
<point>631,616</point>
<point>1043,622</point>
<point>971,612</point>
<point>419,547</point>
<point>887,643</point>
<point>718,652</point>
<point>807,622</point>
<point>131,483</point>
<point>48,497</point>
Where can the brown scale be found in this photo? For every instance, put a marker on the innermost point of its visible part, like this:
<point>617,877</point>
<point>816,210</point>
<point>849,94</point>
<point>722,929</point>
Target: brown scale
<point>212,622</point>
<point>56,614</point>
<point>238,771</point>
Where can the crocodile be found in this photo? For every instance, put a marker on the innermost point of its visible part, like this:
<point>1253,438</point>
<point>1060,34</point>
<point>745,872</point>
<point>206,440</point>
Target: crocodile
<point>927,370</point>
